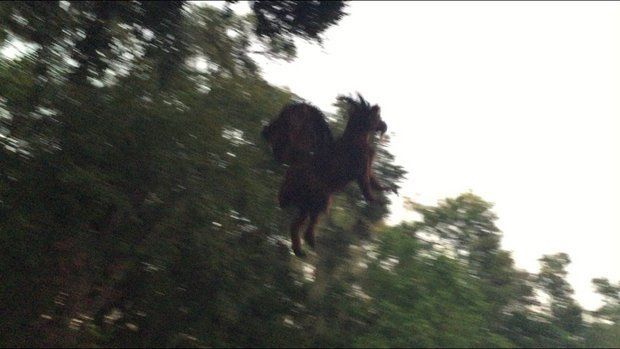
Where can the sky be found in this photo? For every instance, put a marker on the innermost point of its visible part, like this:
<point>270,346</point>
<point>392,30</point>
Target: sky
<point>514,101</point>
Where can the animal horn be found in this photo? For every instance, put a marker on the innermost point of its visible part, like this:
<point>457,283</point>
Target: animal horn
<point>362,101</point>
<point>351,103</point>
<point>346,99</point>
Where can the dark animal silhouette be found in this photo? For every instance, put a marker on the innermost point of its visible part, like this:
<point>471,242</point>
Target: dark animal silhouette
<point>319,165</point>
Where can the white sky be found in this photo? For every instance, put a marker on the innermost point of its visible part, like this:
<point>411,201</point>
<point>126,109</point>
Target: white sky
<point>516,101</point>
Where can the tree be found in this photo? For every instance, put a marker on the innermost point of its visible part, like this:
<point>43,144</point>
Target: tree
<point>466,227</point>
<point>605,332</point>
<point>111,220</point>
<point>565,312</point>
<point>410,297</point>
<point>98,34</point>
<point>611,297</point>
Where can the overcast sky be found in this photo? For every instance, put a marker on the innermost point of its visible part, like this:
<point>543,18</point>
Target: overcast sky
<point>515,101</point>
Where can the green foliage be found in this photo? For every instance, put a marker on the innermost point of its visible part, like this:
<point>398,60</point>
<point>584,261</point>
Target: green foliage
<point>605,333</point>
<point>552,278</point>
<point>421,300</point>
<point>100,35</point>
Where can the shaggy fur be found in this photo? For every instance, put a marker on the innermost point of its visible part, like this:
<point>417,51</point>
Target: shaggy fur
<point>320,165</point>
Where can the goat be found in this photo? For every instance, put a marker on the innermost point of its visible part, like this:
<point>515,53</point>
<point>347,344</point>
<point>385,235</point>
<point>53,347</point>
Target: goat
<point>319,166</point>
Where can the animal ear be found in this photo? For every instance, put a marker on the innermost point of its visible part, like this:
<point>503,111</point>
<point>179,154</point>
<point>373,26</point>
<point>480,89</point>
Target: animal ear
<point>348,101</point>
<point>362,102</point>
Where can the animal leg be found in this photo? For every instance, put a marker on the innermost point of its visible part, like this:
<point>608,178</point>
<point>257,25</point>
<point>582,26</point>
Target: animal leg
<point>367,180</point>
<point>296,241</point>
<point>364,184</point>
<point>286,194</point>
<point>309,234</point>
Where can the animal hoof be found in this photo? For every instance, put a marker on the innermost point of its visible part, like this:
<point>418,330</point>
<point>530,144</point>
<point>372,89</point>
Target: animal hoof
<point>299,253</point>
<point>310,241</point>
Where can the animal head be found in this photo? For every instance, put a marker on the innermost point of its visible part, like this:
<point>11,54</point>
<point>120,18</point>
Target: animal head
<point>362,116</point>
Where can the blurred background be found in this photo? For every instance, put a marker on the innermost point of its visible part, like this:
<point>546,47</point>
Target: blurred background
<point>138,202</point>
